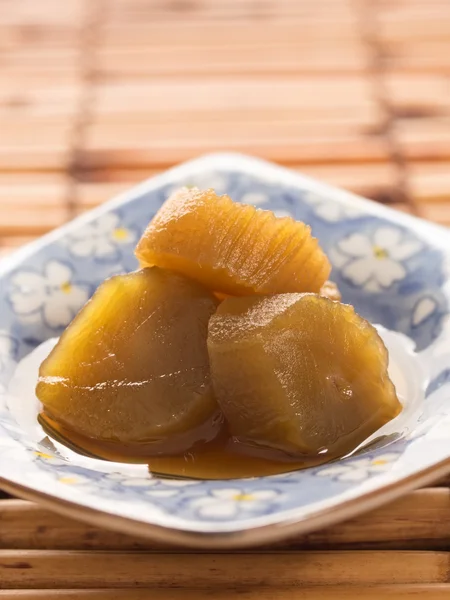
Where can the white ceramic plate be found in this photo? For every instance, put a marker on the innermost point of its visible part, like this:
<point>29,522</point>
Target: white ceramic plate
<point>392,267</point>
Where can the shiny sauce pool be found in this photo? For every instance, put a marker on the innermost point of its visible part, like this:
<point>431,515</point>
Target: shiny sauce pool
<point>219,457</point>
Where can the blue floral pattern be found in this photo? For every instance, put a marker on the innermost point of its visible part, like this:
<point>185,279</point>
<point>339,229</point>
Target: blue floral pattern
<point>375,263</point>
<point>326,209</point>
<point>103,239</point>
<point>232,503</point>
<point>394,269</point>
<point>52,297</point>
<point>359,469</point>
<point>8,353</point>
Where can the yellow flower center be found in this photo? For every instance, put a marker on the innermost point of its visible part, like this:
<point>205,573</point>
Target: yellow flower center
<point>380,252</point>
<point>379,462</point>
<point>43,455</point>
<point>120,234</point>
<point>66,287</point>
<point>243,497</point>
<point>68,480</point>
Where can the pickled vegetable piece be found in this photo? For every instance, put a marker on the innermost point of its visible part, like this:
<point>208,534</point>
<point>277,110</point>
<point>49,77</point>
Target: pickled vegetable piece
<point>299,373</point>
<point>233,248</point>
<point>133,365</point>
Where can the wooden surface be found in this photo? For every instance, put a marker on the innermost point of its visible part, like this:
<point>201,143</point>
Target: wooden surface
<point>96,95</point>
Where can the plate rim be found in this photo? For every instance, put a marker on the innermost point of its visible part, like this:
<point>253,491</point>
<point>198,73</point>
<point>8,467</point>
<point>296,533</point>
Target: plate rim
<point>244,538</point>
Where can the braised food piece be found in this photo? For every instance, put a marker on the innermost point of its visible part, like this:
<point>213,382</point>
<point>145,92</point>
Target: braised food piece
<point>299,373</point>
<point>133,365</point>
<point>233,248</point>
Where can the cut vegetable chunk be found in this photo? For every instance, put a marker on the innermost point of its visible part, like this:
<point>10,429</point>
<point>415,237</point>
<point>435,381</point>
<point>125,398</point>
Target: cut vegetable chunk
<point>233,248</point>
<point>299,373</point>
<point>133,365</point>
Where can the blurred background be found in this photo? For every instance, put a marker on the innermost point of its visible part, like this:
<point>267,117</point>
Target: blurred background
<point>96,95</point>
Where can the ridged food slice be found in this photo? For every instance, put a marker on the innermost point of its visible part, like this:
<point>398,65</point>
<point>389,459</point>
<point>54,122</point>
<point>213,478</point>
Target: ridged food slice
<point>233,248</point>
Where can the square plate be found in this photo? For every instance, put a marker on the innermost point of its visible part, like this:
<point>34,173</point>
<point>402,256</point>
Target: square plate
<point>392,267</point>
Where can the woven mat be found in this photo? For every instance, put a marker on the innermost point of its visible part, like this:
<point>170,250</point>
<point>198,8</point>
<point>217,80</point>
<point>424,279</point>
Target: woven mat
<point>96,95</point>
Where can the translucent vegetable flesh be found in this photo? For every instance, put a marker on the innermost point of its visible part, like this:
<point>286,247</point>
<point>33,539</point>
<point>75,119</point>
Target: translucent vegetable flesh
<point>233,248</point>
<point>133,365</point>
<point>299,373</point>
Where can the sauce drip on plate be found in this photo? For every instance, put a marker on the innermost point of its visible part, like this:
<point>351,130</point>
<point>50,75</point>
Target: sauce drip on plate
<point>220,457</point>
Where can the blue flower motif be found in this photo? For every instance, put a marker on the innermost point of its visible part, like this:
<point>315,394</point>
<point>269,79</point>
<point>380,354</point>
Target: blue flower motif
<point>374,263</point>
<point>359,469</point>
<point>8,354</point>
<point>8,349</point>
<point>330,210</point>
<point>115,484</point>
<point>225,504</point>
<point>152,487</point>
<point>52,298</point>
<point>102,239</point>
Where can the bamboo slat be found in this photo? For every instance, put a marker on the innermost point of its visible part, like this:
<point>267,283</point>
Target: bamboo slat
<point>32,208</point>
<point>329,592</point>
<point>433,56</point>
<point>181,138</point>
<point>73,569</point>
<point>42,195</point>
<point>425,139</point>
<point>51,13</point>
<point>27,78</point>
<point>322,116</point>
<point>414,21</point>
<point>418,95</point>
<point>23,35</point>
<point>49,157</point>
<point>31,220</point>
<point>438,212</point>
<point>38,57</point>
<point>265,58</point>
<point>303,45</point>
<point>142,153</point>
<point>429,182</point>
<point>23,107</point>
<point>300,129</point>
<point>307,120</point>
<point>40,143</point>
<point>132,11</point>
<point>331,93</point>
<point>408,523</point>
<point>148,34</point>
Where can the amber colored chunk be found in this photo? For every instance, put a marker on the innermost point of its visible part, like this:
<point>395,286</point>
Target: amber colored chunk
<point>330,290</point>
<point>300,373</point>
<point>133,365</point>
<point>233,248</point>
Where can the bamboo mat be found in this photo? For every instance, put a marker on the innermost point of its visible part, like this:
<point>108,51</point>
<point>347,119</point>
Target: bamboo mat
<point>96,95</point>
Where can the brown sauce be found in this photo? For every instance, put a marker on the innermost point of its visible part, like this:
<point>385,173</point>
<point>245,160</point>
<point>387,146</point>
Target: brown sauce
<point>220,457</point>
